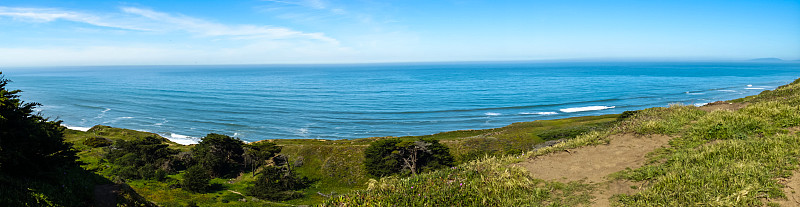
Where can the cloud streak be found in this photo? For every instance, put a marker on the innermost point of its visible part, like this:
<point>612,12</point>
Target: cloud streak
<point>140,19</point>
<point>49,15</point>
<point>207,28</point>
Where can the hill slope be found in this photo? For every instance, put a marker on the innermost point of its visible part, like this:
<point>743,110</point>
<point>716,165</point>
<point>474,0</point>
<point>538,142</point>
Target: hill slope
<point>719,156</point>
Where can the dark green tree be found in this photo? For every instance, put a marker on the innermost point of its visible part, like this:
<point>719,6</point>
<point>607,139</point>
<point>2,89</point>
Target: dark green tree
<point>278,183</point>
<point>392,156</point>
<point>256,154</point>
<point>97,142</point>
<point>144,158</point>
<point>196,179</point>
<point>221,154</point>
<point>30,145</point>
<point>379,160</point>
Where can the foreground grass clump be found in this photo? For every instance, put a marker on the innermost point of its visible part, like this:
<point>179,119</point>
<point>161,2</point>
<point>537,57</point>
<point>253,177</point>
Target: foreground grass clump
<point>725,157</point>
<point>731,173</point>
<point>488,182</point>
<point>660,120</point>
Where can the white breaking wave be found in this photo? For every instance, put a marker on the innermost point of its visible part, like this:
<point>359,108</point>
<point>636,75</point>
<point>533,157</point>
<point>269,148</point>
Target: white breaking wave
<point>182,139</point>
<point>538,113</point>
<point>586,108</point>
<point>77,128</point>
<point>755,88</point>
<point>102,113</point>
<point>492,114</point>
<point>700,104</point>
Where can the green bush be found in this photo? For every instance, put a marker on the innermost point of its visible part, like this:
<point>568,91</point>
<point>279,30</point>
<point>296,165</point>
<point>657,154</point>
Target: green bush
<point>97,142</point>
<point>196,179</point>
<point>393,156</point>
<point>278,184</point>
<point>142,158</point>
<point>221,154</point>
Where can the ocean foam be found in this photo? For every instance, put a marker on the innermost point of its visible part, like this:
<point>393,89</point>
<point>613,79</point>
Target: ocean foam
<point>182,139</point>
<point>700,104</point>
<point>755,88</point>
<point>102,113</point>
<point>586,108</point>
<point>492,114</point>
<point>538,113</point>
<point>77,128</point>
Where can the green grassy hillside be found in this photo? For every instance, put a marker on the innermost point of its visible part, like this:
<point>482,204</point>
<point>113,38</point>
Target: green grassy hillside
<point>739,149</point>
<point>336,164</point>
<point>724,156</point>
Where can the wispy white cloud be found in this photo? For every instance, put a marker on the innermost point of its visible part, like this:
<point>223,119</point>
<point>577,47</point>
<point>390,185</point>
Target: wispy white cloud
<point>202,27</point>
<point>49,15</point>
<point>314,4</point>
<point>140,19</point>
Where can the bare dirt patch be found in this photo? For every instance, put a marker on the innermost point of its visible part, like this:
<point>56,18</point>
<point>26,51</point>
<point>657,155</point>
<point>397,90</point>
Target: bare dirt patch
<point>792,190</point>
<point>604,192</point>
<point>722,105</point>
<point>594,163</point>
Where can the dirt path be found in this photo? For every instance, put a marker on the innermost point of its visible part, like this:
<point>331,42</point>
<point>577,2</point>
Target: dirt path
<point>792,190</point>
<point>594,163</point>
<point>105,195</point>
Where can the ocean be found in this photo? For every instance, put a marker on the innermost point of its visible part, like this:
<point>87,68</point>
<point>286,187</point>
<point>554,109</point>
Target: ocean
<point>257,102</point>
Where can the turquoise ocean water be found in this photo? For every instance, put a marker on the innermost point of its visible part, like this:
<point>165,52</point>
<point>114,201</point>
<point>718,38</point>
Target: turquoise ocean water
<point>357,101</point>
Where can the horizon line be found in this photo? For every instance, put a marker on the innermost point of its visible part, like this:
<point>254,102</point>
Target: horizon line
<point>568,60</point>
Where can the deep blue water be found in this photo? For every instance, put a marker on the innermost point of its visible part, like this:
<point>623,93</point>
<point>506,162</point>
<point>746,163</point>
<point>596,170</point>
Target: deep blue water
<point>357,101</point>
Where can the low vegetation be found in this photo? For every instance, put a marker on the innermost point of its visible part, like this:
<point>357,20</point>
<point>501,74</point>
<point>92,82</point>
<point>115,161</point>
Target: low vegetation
<point>724,157</point>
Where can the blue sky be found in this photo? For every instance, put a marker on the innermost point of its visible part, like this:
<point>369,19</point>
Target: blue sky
<point>157,32</point>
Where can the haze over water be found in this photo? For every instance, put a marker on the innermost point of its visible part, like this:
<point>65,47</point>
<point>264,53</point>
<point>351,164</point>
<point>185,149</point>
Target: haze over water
<point>356,101</point>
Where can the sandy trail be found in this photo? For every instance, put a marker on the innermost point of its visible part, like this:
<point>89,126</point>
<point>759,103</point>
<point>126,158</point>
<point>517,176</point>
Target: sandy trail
<point>593,164</point>
<point>792,190</point>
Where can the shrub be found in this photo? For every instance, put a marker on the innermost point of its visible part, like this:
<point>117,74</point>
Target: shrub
<point>97,142</point>
<point>221,154</point>
<point>391,156</point>
<point>256,154</point>
<point>278,183</point>
<point>196,179</point>
<point>140,158</point>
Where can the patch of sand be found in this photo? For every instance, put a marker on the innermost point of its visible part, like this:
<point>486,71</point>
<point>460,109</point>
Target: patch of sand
<point>792,190</point>
<point>722,105</point>
<point>594,163</point>
<point>604,192</point>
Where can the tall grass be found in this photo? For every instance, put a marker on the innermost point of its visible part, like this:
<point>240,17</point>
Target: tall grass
<point>725,158</point>
<point>487,182</point>
<point>719,158</point>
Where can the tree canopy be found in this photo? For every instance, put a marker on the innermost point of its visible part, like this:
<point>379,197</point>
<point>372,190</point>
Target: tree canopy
<point>145,158</point>
<point>221,154</point>
<point>29,144</point>
<point>392,156</point>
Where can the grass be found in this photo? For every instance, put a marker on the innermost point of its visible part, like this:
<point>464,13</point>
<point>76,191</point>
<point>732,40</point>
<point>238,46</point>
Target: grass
<point>487,182</point>
<point>726,158</point>
<point>337,164</point>
<point>718,158</point>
